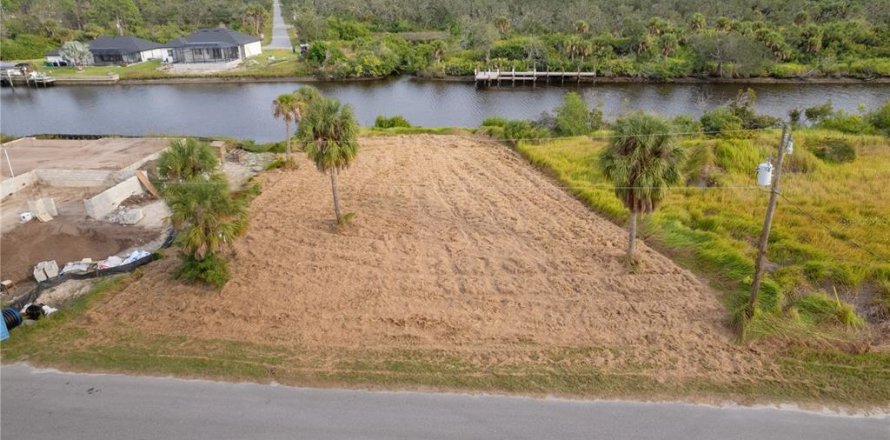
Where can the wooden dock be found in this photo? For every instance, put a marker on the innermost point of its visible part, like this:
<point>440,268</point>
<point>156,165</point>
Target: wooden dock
<point>487,78</point>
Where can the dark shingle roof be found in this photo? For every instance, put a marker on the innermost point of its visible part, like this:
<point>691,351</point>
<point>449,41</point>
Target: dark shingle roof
<point>218,37</point>
<point>125,44</point>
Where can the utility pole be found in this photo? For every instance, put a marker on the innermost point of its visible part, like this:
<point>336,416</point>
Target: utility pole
<point>768,221</point>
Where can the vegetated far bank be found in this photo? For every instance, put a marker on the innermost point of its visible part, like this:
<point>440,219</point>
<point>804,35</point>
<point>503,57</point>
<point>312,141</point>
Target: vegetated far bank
<point>683,40</point>
<point>672,40</point>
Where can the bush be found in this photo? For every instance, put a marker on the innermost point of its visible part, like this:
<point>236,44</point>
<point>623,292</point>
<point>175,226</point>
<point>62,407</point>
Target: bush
<point>393,122</point>
<point>573,116</point>
<point>523,130</point>
<point>212,270</point>
<point>721,121</point>
<point>880,118</point>
<point>834,150</point>
<point>818,112</point>
<point>686,124</point>
<point>494,121</point>
<point>846,123</point>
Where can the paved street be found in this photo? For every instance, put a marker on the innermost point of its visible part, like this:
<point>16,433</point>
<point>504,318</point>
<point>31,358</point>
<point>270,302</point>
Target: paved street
<point>41,404</point>
<point>280,40</point>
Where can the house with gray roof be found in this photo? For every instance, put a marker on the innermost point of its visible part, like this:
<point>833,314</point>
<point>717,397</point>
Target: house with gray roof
<point>121,50</point>
<point>215,46</point>
<point>118,51</point>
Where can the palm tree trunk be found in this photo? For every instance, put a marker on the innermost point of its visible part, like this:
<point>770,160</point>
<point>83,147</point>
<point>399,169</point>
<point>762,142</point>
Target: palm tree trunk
<point>632,235</point>
<point>336,194</point>
<point>287,131</point>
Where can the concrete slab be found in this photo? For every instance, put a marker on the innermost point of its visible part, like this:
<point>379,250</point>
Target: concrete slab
<point>108,154</point>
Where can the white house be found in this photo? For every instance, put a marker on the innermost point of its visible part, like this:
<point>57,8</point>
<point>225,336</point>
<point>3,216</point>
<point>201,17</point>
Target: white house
<point>218,46</point>
<point>121,50</point>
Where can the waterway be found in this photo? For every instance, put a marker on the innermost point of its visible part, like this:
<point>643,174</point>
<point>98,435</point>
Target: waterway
<point>244,110</point>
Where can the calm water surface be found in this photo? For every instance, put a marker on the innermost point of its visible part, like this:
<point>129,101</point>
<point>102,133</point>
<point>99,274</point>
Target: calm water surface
<point>244,110</point>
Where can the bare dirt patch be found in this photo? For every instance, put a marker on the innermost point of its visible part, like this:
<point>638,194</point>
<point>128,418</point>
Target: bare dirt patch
<point>64,239</point>
<point>457,248</point>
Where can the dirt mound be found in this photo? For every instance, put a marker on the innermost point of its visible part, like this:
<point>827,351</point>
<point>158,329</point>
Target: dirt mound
<point>457,247</point>
<point>64,240</point>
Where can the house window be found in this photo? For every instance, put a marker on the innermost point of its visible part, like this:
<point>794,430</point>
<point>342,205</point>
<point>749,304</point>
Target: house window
<point>217,53</point>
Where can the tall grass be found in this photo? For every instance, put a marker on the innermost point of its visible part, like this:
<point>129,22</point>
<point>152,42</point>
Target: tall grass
<point>831,229</point>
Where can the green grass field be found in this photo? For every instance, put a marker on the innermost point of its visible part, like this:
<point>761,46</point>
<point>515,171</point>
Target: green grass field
<point>830,231</point>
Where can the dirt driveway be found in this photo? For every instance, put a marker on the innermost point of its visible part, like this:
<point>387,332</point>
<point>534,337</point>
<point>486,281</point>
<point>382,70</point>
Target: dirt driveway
<point>458,247</point>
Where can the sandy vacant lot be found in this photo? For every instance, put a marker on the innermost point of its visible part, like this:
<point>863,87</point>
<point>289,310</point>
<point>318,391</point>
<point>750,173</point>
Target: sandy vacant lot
<point>27,154</point>
<point>458,247</point>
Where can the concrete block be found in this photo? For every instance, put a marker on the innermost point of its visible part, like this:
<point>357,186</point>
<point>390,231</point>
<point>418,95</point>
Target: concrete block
<point>39,275</point>
<point>45,270</point>
<point>43,207</point>
<point>107,201</point>
<point>74,178</point>
<point>15,184</point>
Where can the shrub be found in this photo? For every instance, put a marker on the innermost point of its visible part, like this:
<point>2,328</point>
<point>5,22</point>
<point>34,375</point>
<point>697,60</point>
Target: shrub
<point>211,270</point>
<point>846,123</point>
<point>494,121</point>
<point>686,124</point>
<point>393,122</point>
<point>880,118</point>
<point>523,130</point>
<point>573,116</point>
<point>834,150</point>
<point>721,121</point>
<point>818,112</point>
<point>788,70</point>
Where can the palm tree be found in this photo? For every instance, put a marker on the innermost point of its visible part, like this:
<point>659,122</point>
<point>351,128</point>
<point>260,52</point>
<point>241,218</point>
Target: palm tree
<point>205,216</point>
<point>439,47</point>
<point>582,27</point>
<point>186,159</point>
<point>503,25</point>
<point>642,161</point>
<point>283,107</point>
<point>303,97</point>
<point>254,18</point>
<point>328,134</point>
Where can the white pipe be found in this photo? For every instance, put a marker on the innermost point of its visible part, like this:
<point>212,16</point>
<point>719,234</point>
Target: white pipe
<point>6,153</point>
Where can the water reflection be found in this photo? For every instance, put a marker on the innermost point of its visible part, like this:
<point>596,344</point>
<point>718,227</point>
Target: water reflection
<point>244,110</point>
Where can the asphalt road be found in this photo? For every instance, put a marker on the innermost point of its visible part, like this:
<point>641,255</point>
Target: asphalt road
<point>43,404</point>
<point>280,39</point>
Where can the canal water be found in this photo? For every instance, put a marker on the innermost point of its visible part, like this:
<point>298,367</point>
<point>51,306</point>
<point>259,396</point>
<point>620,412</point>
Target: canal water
<point>244,110</point>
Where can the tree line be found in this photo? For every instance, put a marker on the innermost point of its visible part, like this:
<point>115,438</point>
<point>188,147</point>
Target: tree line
<point>658,40</point>
<point>33,27</point>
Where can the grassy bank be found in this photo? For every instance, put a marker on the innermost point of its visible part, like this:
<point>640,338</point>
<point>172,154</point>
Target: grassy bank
<point>271,64</point>
<point>67,341</point>
<point>828,245</point>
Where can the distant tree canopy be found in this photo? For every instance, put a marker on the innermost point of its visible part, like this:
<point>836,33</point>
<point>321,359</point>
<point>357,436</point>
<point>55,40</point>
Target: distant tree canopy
<point>32,27</point>
<point>665,39</point>
<point>593,16</point>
